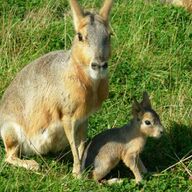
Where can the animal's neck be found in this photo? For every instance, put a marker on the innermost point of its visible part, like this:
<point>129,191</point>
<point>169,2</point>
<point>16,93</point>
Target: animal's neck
<point>134,129</point>
<point>82,75</point>
<point>95,90</point>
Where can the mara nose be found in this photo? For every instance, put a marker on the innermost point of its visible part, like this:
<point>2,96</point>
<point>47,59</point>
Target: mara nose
<point>97,66</point>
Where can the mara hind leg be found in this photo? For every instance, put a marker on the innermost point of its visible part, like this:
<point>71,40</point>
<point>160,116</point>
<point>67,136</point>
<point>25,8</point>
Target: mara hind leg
<point>13,149</point>
<point>102,167</point>
<point>100,172</point>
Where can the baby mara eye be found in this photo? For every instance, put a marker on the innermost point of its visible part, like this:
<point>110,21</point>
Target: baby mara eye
<point>80,37</point>
<point>147,122</point>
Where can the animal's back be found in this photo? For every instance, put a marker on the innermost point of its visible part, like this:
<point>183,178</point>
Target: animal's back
<point>106,141</point>
<point>29,105</point>
<point>32,83</point>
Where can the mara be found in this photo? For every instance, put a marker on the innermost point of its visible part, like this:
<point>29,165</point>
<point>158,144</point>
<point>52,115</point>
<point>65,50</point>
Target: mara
<point>47,105</point>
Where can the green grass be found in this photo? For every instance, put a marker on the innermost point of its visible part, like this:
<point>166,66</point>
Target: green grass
<point>152,50</point>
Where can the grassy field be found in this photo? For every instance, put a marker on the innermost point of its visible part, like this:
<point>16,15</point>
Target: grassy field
<point>152,50</point>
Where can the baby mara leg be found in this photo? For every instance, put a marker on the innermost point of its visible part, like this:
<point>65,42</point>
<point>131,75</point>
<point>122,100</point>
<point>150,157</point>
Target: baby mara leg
<point>13,148</point>
<point>136,166</point>
<point>100,172</point>
<point>102,167</point>
<point>142,167</point>
<point>133,162</point>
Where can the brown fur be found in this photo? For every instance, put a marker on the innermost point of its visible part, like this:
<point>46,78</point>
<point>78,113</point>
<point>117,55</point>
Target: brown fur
<point>47,105</point>
<point>187,4</point>
<point>104,12</point>
<point>109,147</point>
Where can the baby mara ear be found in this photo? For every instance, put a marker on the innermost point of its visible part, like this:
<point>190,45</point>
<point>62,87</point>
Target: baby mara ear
<point>146,103</point>
<point>137,109</point>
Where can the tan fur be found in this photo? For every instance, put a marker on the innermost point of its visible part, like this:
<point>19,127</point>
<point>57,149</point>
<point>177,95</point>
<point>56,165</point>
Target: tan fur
<point>78,14</point>
<point>187,4</point>
<point>106,149</point>
<point>47,105</point>
<point>104,12</point>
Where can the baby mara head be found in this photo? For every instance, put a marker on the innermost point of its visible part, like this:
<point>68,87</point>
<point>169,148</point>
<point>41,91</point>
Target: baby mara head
<point>147,119</point>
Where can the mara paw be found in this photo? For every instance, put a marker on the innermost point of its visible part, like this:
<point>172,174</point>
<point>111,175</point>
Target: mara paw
<point>32,165</point>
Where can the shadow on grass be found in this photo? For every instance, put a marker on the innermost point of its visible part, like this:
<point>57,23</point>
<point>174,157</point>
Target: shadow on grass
<point>161,153</point>
<point>157,155</point>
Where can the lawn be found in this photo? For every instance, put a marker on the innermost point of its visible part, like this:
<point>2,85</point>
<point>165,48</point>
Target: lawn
<point>151,50</point>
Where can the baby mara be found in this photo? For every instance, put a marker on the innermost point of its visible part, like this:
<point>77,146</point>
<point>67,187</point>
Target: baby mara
<point>126,143</point>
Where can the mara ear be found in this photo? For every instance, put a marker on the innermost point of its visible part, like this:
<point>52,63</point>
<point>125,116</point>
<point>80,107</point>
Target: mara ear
<point>105,10</point>
<point>77,13</point>
<point>146,101</point>
<point>137,109</point>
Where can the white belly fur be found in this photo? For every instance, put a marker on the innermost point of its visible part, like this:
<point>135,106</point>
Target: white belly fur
<point>51,139</point>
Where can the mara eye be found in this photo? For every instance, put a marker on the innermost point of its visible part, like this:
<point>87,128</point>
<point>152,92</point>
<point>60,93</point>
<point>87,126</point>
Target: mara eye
<point>147,122</point>
<point>80,37</point>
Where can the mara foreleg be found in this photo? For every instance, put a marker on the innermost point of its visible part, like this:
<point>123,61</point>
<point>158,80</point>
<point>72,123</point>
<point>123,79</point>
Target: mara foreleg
<point>71,131</point>
<point>132,161</point>
<point>81,137</point>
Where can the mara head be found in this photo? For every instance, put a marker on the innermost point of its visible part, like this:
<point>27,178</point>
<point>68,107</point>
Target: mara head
<point>91,46</point>
<point>149,121</point>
